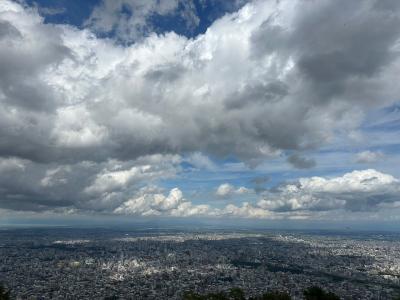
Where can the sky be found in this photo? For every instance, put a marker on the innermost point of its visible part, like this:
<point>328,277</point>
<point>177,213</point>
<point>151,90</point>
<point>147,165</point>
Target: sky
<point>219,111</point>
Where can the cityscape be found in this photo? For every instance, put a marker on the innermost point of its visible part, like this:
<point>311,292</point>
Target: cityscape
<point>199,149</point>
<point>68,263</point>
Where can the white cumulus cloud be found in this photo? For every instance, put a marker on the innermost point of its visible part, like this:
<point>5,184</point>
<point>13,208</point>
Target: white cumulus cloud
<point>87,122</point>
<point>358,190</point>
<point>226,190</point>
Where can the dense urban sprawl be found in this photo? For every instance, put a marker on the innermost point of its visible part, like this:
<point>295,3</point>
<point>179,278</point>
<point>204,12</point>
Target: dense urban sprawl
<point>163,264</point>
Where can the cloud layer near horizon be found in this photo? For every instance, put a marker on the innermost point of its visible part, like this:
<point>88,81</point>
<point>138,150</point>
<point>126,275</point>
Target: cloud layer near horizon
<point>107,120</point>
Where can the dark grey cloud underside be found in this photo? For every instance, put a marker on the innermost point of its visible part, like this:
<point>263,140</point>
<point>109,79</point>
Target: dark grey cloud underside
<point>338,47</point>
<point>340,51</point>
<point>300,162</point>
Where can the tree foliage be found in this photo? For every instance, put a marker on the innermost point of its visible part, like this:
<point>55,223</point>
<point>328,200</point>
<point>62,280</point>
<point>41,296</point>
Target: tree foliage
<point>210,296</point>
<point>4,293</point>
<point>316,293</point>
<point>312,293</point>
<point>235,294</point>
<point>275,296</point>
